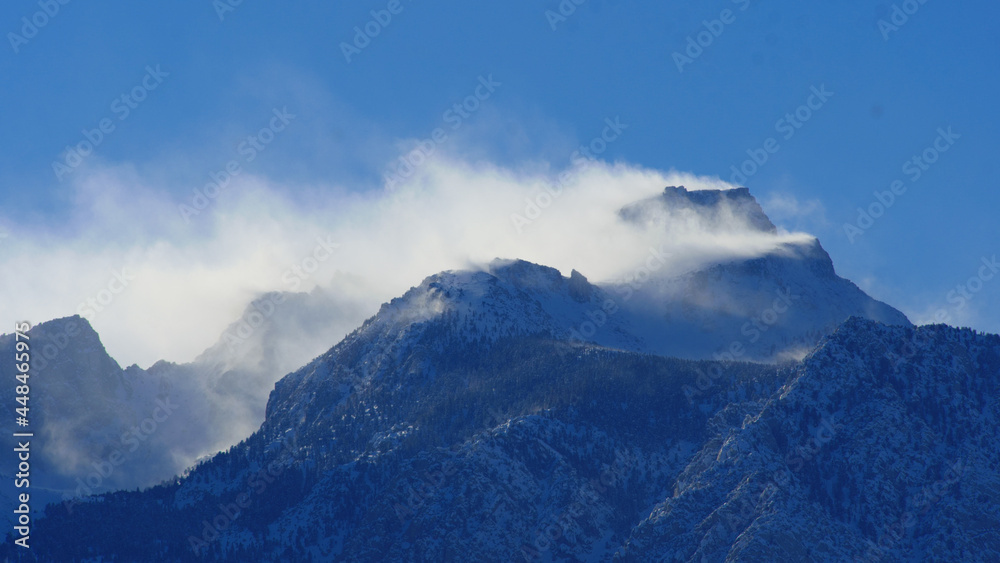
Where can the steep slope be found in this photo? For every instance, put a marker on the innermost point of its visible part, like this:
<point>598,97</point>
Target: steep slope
<point>881,446</point>
<point>534,429</point>
<point>766,308</point>
<point>85,411</point>
<point>733,210</point>
<point>412,440</point>
<point>774,306</point>
<point>101,428</point>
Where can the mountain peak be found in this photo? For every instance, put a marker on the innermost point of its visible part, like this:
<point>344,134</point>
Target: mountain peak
<point>69,336</point>
<point>524,274</point>
<point>722,209</point>
<point>74,324</point>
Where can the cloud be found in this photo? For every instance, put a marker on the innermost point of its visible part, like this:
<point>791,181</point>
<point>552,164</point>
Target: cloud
<point>786,210</point>
<point>161,275</point>
<point>157,285</point>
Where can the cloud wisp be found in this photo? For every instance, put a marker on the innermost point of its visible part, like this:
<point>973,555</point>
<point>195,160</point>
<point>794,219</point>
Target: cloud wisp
<point>157,285</point>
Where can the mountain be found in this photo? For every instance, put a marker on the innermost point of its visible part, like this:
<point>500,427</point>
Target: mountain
<point>769,307</point>
<point>409,390</point>
<point>531,447</point>
<point>511,412</point>
<point>84,407</point>
<point>880,446</point>
<point>733,211</point>
<point>773,306</point>
<point>103,428</point>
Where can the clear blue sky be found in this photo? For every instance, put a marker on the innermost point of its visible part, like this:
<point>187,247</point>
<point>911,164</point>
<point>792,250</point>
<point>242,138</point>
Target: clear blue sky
<point>893,88</point>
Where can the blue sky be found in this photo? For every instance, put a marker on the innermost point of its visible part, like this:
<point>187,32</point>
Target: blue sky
<point>220,79</point>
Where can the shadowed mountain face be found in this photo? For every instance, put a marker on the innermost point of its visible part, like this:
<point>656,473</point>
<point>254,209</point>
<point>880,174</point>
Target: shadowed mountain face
<point>101,428</point>
<point>876,448</point>
<point>84,411</point>
<point>527,447</point>
<point>723,210</point>
<point>774,306</point>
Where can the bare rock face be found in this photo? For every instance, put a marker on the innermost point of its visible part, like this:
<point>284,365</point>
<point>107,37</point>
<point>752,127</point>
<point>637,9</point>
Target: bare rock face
<point>721,209</point>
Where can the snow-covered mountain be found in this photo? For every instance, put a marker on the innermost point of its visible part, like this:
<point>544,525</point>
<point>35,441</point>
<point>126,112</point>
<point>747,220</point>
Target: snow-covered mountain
<point>510,412</point>
<point>530,447</point>
<point>767,307</point>
<point>879,446</point>
<point>103,428</point>
<point>772,306</point>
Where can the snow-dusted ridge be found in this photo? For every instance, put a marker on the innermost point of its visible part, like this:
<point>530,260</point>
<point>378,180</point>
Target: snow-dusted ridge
<point>510,412</point>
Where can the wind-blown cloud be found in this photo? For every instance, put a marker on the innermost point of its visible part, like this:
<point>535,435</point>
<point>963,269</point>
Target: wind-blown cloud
<point>785,209</point>
<point>158,285</point>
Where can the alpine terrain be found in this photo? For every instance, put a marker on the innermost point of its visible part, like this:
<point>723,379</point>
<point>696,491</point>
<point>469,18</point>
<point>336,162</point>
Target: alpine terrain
<point>753,407</point>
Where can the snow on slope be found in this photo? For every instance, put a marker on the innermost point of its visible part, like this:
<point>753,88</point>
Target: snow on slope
<point>880,447</point>
<point>768,307</point>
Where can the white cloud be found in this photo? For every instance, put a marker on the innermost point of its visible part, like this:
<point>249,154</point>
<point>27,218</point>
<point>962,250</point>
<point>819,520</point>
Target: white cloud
<point>192,279</point>
<point>786,210</point>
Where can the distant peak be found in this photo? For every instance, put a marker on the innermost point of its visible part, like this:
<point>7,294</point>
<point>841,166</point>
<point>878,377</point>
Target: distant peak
<point>72,326</point>
<point>707,197</point>
<point>524,274</point>
<point>721,206</point>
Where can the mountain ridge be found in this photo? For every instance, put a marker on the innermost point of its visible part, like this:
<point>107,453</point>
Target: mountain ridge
<point>510,411</point>
<point>389,458</point>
